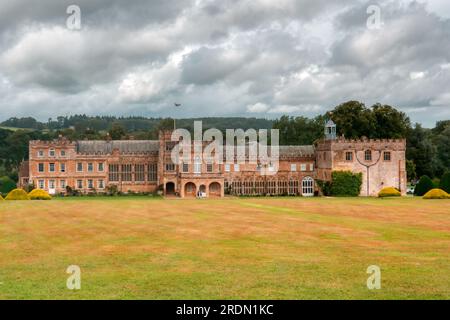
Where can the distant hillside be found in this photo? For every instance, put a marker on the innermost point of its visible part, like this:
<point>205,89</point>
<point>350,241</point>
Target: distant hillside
<point>131,124</point>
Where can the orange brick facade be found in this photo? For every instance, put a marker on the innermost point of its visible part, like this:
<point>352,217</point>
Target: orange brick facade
<point>146,166</point>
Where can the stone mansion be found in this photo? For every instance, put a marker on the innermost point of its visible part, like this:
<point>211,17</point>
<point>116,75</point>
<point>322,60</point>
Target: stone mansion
<point>146,166</point>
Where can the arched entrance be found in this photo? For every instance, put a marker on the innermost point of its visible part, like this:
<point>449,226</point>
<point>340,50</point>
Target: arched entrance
<point>215,189</point>
<point>170,188</point>
<point>190,189</point>
<point>308,187</point>
<point>202,190</point>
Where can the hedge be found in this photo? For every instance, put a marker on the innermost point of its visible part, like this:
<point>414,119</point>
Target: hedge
<point>445,182</point>
<point>425,184</point>
<point>389,192</point>
<point>38,194</point>
<point>7,185</point>
<point>436,194</point>
<point>1,198</point>
<point>346,184</point>
<point>17,194</point>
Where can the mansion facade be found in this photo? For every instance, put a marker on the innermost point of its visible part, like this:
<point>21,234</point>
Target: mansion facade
<point>146,166</point>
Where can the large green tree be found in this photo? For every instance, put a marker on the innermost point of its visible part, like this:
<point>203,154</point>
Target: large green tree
<point>389,122</point>
<point>353,120</point>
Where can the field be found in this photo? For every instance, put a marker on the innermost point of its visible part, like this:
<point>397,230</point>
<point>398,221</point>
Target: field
<point>248,248</point>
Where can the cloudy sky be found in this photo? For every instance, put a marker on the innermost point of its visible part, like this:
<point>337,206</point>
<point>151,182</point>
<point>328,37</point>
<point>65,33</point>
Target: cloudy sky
<point>259,58</point>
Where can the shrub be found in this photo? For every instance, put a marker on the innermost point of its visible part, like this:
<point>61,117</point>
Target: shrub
<point>325,187</point>
<point>17,194</point>
<point>389,192</point>
<point>1,198</point>
<point>436,194</point>
<point>346,184</point>
<point>425,184</point>
<point>7,185</point>
<point>38,194</point>
<point>445,182</point>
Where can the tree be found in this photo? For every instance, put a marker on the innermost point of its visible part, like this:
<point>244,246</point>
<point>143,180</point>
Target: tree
<point>421,149</point>
<point>410,170</point>
<point>443,149</point>
<point>117,131</point>
<point>425,184</point>
<point>353,120</point>
<point>445,182</point>
<point>389,122</point>
<point>6,185</point>
<point>299,130</point>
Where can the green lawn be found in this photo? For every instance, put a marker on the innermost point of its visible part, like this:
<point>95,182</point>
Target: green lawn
<point>252,248</point>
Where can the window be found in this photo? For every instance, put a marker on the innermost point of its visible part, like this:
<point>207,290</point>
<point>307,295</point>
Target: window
<point>101,167</point>
<point>80,184</point>
<point>63,153</point>
<point>51,152</point>
<point>209,167</point>
<point>40,153</point>
<point>101,184</point>
<point>51,167</point>
<point>113,172</point>
<point>293,167</point>
<point>170,167</point>
<point>185,167</point>
<point>387,156</point>
<point>349,156</point>
<point>197,165</point>
<point>79,167</point>
<point>62,184</point>
<point>62,167</point>
<point>271,167</point>
<point>90,184</point>
<point>236,167</point>
<point>311,167</point>
<point>126,172</point>
<point>41,184</point>
<point>51,184</point>
<point>41,167</point>
<point>90,167</point>
<point>368,155</point>
<point>139,171</point>
<point>303,167</point>
<point>152,172</point>
<point>227,167</point>
<point>169,147</point>
<point>308,187</point>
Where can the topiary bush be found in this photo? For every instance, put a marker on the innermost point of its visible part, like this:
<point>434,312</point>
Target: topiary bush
<point>389,192</point>
<point>445,182</point>
<point>425,184</point>
<point>346,184</point>
<point>7,185</point>
<point>17,194</point>
<point>1,198</point>
<point>39,194</point>
<point>436,194</point>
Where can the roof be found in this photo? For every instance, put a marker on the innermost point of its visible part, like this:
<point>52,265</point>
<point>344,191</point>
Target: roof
<point>296,151</point>
<point>124,146</point>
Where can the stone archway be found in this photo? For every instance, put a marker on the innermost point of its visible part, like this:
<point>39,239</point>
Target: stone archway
<point>202,189</point>
<point>215,190</point>
<point>190,189</point>
<point>170,188</point>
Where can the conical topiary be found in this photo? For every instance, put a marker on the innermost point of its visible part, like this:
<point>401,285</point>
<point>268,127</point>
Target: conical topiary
<point>445,182</point>
<point>425,184</point>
